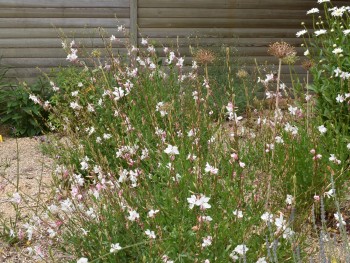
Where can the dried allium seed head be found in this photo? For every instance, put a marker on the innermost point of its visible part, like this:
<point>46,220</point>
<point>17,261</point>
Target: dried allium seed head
<point>281,50</point>
<point>307,64</point>
<point>291,59</point>
<point>242,74</point>
<point>205,56</point>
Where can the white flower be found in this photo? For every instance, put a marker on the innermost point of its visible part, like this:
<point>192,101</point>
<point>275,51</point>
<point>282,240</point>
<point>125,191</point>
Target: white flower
<point>241,249</point>
<point>348,146</point>
<point>267,217</point>
<point>306,53</point>
<point>346,31</point>
<point>291,129</point>
<point>320,32</point>
<point>115,247</point>
<point>340,98</point>
<point>279,139</point>
<point>337,51</point>
<point>238,213</point>
<point>211,169</point>
<point>72,57</point>
<point>288,233</point>
<point>292,110</point>
<point>144,42</point>
<point>67,205</point>
<point>191,157</point>
<point>207,218</point>
<point>150,234</point>
<point>334,159</point>
<point>301,33</point>
<point>313,11</point>
<point>330,193</point>
<point>34,99</point>
<point>280,222</point>
<point>337,72</point>
<point>202,202</point>
<point>261,260</point>
<point>338,12</point>
<point>241,164</point>
<point>161,109</point>
<point>82,260</point>
<point>91,213</point>
<point>207,241</point>
<point>118,93</point>
<point>171,150</point>
<point>53,209</point>
<point>84,165</point>
<point>152,213</point>
<point>180,62</point>
<point>133,215</point>
<point>75,106</point>
<point>323,1</point>
<point>192,201</point>
<point>340,219</point>
<point>322,129</point>
<point>289,199</point>
<point>16,198</point>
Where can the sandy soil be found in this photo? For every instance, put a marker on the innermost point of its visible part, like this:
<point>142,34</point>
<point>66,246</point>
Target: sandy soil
<point>34,171</point>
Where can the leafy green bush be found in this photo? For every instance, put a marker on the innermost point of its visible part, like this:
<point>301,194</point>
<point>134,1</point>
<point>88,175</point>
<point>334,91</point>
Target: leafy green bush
<point>328,47</point>
<point>22,110</point>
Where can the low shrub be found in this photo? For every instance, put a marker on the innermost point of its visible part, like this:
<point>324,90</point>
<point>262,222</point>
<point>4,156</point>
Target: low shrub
<point>22,110</point>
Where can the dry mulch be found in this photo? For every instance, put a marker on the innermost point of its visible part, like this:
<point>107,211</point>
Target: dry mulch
<point>33,169</point>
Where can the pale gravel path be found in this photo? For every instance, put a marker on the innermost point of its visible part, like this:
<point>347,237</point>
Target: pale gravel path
<point>33,168</point>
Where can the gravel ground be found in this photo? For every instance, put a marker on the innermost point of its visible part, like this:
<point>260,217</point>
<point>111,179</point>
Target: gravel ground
<point>34,169</point>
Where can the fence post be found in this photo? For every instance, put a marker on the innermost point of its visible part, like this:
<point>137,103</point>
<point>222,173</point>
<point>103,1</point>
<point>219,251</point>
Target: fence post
<point>133,23</point>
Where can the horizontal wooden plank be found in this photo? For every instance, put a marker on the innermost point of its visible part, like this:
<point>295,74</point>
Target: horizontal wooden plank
<point>56,42</point>
<point>14,57</point>
<point>23,74</point>
<point>220,32</point>
<point>170,42</point>
<point>236,42</point>
<point>34,62</point>
<point>48,52</point>
<point>62,22</point>
<point>70,12</point>
<point>216,23</point>
<point>221,13</point>
<point>64,3</point>
<point>56,62</point>
<point>257,4</point>
<point>6,33</point>
<point>28,72</point>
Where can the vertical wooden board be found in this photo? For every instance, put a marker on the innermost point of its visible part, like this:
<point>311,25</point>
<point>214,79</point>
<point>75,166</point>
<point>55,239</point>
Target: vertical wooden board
<point>133,22</point>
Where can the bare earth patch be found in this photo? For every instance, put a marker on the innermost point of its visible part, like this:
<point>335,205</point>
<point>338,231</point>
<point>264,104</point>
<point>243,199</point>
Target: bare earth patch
<point>34,170</point>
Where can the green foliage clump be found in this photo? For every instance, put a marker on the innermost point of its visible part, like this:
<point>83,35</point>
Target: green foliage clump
<point>20,110</point>
<point>329,50</point>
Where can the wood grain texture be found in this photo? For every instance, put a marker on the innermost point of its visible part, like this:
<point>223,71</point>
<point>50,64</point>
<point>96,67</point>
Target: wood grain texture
<point>63,3</point>
<point>61,22</point>
<point>51,32</point>
<point>221,13</point>
<point>68,12</point>
<point>239,4</point>
<point>217,23</point>
<point>30,30</point>
<point>56,43</point>
<point>133,22</point>
<point>271,32</point>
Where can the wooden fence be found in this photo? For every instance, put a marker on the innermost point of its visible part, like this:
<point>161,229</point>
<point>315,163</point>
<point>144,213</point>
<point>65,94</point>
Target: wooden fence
<point>29,29</point>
